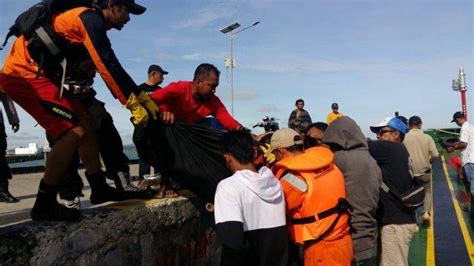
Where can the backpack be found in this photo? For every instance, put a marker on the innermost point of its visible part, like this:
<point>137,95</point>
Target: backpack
<point>45,46</point>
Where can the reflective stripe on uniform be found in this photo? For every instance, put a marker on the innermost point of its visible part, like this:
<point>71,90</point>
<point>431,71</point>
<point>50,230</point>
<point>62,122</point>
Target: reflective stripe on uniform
<point>295,182</point>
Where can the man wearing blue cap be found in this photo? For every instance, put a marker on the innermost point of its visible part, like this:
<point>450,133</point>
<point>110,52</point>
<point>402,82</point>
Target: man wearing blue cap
<point>398,224</point>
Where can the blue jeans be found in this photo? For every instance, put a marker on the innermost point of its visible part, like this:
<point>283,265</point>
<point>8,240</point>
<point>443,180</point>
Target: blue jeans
<point>469,170</point>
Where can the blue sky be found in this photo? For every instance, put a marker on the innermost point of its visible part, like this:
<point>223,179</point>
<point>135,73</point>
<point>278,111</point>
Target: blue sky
<point>372,57</point>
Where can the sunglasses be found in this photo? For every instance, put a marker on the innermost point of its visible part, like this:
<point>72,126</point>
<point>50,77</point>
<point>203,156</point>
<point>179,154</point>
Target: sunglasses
<point>381,132</point>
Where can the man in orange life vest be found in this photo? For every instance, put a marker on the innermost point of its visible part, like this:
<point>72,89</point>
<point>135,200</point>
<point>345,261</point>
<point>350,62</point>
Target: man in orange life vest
<point>316,208</point>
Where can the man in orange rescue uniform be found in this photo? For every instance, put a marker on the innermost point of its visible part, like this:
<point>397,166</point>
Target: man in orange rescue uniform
<point>80,35</point>
<point>316,206</point>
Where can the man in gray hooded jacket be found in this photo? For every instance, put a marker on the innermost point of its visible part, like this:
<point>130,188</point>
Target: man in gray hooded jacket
<point>363,179</point>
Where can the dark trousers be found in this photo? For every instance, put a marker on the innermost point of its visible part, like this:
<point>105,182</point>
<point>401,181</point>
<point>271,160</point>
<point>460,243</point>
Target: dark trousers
<point>5,172</point>
<point>110,149</point>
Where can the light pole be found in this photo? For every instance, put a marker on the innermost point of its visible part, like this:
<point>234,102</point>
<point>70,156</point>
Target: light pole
<point>460,85</point>
<point>230,62</point>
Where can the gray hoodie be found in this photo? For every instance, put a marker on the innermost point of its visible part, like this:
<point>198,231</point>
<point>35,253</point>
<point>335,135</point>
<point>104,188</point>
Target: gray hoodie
<point>362,178</point>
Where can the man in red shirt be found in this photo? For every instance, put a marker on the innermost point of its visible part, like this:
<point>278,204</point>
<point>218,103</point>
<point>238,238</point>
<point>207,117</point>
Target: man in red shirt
<point>191,101</point>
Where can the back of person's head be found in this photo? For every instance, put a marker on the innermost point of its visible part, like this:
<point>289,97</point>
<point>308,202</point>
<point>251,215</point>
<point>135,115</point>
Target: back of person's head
<point>319,125</point>
<point>288,139</point>
<point>239,144</point>
<point>204,69</point>
<point>414,121</point>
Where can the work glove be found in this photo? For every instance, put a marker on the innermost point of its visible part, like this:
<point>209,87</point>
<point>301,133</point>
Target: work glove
<point>268,154</point>
<point>139,113</point>
<point>149,104</point>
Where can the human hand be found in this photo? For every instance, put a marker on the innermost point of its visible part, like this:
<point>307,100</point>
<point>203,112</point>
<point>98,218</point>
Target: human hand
<point>139,113</point>
<point>167,117</point>
<point>149,104</point>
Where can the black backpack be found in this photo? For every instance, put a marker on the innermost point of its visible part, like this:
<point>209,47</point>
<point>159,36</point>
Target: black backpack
<point>45,46</point>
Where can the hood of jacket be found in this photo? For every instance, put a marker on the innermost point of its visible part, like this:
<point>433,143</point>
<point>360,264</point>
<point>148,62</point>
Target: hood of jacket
<point>263,184</point>
<point>345,134</point>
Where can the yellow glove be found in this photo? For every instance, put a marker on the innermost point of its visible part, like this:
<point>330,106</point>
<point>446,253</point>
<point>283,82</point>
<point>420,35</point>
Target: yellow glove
<point>149,104</point>
<point>269,156</point>
<point>139,113</point>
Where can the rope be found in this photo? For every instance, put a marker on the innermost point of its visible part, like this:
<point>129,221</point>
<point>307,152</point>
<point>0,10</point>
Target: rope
<point>445,131</point>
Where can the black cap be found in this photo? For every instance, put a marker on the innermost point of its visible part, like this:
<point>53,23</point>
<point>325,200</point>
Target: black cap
<point>334,106</point>
<point>133,7</point>
<point>414,120</point>
<point>152,68</point>
<point>457,115</point>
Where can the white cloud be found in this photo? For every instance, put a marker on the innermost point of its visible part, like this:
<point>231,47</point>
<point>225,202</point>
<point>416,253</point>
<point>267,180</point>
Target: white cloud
<point>192,57</point>
<point>205,16</point>
<point>268,108</point>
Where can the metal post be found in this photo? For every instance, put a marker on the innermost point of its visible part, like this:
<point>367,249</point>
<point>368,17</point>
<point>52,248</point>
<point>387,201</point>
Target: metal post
<point>232,72</point>
<point>460,85</point>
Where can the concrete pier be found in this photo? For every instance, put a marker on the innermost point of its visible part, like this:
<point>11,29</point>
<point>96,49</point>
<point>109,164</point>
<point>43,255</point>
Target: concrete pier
<point>137,232</point>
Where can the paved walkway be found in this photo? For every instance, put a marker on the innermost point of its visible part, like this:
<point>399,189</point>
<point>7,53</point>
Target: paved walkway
<point>25,186</point>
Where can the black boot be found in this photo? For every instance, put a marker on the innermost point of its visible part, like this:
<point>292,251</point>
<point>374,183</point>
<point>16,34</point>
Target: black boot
<point>101,192</point>
<point>47,208</point>
<point>5,195</point>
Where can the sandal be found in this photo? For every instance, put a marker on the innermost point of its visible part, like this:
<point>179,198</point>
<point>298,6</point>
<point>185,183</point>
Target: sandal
<point>169,193</point>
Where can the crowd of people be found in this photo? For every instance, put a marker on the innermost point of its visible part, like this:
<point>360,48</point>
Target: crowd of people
<point>325,196</point>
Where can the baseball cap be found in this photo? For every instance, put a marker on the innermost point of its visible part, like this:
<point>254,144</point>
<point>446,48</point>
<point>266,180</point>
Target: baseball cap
<point>133,7</point>
<point>414,120</point>
<point>284,138</point>
<point>152,68</point>
<point>334,106</point>
<point>392,122</point>
<point>457,115</point>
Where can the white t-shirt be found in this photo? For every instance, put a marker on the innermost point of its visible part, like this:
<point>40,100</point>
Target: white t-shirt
<point>467,136</point>
<point>255,199</point>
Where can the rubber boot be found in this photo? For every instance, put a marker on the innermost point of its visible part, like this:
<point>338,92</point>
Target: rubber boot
<point>5,195</point>
<point>47,208</point>
<point>100,191</point>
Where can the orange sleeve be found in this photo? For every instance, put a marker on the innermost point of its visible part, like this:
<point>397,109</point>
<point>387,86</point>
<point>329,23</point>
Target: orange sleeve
<point>91,27</point>
<point>294,197</point>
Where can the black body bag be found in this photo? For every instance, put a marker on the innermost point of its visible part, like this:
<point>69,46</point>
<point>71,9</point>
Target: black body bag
<point>411,199</point>
<point>189,154</point>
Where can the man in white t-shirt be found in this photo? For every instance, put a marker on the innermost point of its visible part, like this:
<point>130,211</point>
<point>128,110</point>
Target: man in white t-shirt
<point>249,209</point>
<point>466,145</point>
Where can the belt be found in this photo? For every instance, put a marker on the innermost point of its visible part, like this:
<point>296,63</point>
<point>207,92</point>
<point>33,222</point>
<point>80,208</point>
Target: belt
<point>77,89</point>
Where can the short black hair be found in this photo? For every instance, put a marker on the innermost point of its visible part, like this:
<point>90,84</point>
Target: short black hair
<point>299,101</point>
<point>319,125</point>
<point>239,144</point>
<point>204,69</point>
<point>295,148</point>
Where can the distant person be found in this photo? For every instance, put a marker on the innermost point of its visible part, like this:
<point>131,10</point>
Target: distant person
<point>5,172</point>
<point>315,134</point>
<point>466,145</point>
<point>334,114</point>
<point>363,178</point>
<point>190,102</point>
<point>249,209</point>
<point>398,223</point>
<point>299,119</point>
<point>423,151</point>
<point>316,206</point>
<point>155,79</point>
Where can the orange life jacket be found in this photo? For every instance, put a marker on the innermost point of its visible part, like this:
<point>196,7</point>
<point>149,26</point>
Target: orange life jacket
<point>324,212</point>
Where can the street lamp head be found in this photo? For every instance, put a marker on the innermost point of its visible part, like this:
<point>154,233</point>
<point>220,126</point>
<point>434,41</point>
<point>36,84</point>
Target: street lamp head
<point>255,23</point>
<point>230,27</point>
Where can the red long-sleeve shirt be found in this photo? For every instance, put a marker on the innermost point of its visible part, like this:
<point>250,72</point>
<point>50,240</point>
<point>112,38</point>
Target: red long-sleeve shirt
<point>178,99</point>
